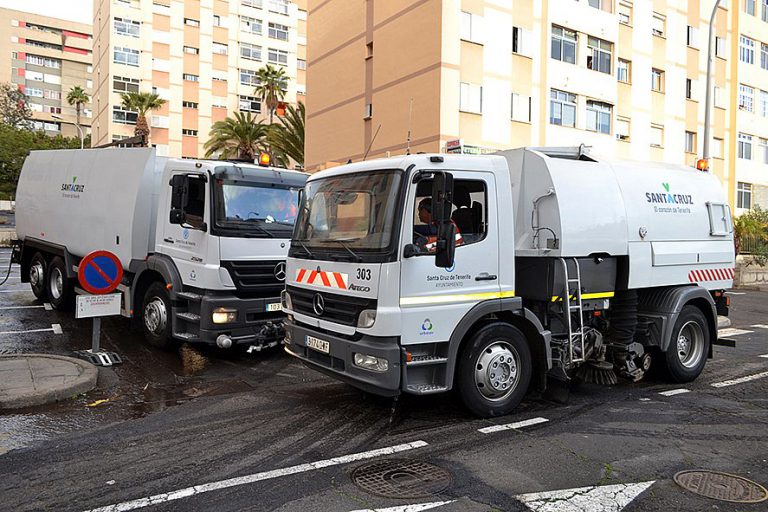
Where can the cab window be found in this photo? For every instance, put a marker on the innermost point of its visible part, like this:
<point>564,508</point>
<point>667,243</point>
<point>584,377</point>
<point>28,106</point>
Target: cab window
<point>470,212</point>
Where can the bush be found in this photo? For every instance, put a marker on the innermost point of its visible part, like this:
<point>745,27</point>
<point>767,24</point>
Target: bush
<point>751,228</point>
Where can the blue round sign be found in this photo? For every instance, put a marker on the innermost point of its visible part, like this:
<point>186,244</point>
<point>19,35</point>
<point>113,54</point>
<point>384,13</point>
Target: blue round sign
<point>100,272</point>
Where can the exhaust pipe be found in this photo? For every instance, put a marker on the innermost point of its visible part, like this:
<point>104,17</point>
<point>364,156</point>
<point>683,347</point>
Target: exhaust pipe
<point>224,341</point>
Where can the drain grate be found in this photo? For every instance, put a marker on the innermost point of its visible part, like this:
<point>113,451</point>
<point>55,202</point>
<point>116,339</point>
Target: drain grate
<point>401,478</point>
<point>721,486</point>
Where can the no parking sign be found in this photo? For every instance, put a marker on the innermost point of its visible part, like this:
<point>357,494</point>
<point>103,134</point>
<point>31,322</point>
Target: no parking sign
<point>100,272</point>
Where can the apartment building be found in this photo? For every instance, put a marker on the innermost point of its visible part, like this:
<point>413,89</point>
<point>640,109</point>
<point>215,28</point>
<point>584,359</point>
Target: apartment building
<point>473,76</point>
<point>200,55</point>
<point>751,116</point>
<point>45,57</point>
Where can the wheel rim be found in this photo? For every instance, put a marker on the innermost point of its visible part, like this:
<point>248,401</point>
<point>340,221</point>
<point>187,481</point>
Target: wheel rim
<point>497,371</point>
<point>36,273</point>
<point>155,315</point>
<point>56,283</point>
<point>690,344</point>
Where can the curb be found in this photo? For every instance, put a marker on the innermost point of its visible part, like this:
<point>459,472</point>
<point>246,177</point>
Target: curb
<point>86,381</point>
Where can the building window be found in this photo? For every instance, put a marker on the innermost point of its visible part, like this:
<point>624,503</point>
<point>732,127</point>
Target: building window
<point>126,27</point>
<point>744,195</point>
<point>121,116</point>
<point>521,108</point>
<point>191,50</point>
<point>127,56</point>
<point>625,13</point>
<point>659,24</point>
<point>278,31</point>
<point>600,55</point>
<point>746,50</point>
<point>276,56</point>
<point>763,143</point>
<point>720,47</point>
<point>248,77</point>
<point>191,22</point>
<point>746,98</point>
<point>188,132</point>
<point>301,64</point>
<point>717,147</point>
<point>657,135</point>
<point>690,142</point>
<point>562,108</point>
<point>52,95</point>
<point>690,89</point>
<point>250,104</point>
<point>250,25</point>
<point>189,104</point>
<point>279,6</point>
<point>34,92</point>
<point>122,84</point>
<point>216,20</point>
<point>521,41</point>
<point>368,111</point>
<point>624,71</point>
<point>190,78</point>
<point>599,117</point>
<point>598,4</point>
<point>692,37</point>
<point>471,27</point>
<point>764,54</point>
<point>250,51</point>
<point>220,49</point>
<point>763,104</point>
<point>252,3</point>
<point>159,121</point>
<point>745,146</point>
<point>657,80</point>
<point>470,98</point>
<point>622,128</point>
<point>749,7</point>
<point>764,15</point>
<point>48,109</point>
<point>563,44</point>
<point>34,75</point>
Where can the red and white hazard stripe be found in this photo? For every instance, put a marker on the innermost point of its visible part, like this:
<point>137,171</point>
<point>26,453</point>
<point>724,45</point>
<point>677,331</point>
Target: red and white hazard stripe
<point>712,274</point>
<point>322,278</point>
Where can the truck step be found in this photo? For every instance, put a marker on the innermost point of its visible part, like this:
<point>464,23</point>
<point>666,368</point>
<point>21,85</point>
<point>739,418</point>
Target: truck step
<point>189,317</point>
<point>186,336</point>
<point>426,389</point>
<point>424,360</point>
<point>194,297</point>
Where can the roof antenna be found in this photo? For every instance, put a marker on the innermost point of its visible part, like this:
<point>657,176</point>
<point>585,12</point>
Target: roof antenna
<point>371,144</point>
<point>408,139</point>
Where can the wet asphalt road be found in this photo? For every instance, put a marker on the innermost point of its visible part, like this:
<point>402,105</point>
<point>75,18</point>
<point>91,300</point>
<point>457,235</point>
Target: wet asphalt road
<point>163,422</point>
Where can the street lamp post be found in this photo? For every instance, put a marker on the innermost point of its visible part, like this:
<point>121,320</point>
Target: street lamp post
<point>708,100</point>
<point>79,130</point>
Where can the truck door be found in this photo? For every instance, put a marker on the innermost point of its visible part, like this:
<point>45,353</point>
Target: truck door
<point>185,234</point>
<point>433,300</point>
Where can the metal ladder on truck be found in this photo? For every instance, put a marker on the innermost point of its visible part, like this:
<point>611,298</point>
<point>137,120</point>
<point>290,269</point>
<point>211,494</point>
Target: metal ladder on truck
<point>574,336</point>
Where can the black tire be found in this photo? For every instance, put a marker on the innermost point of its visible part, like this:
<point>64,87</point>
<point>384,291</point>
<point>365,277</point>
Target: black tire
<point>479,387</point>
<point>156,317</point>
<point>60,289</point>
<point>38,273</point>
<point>688,348</point>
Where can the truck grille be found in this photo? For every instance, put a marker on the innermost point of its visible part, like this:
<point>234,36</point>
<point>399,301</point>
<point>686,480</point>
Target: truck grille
<point>255,278</point>
<point>340,309</point>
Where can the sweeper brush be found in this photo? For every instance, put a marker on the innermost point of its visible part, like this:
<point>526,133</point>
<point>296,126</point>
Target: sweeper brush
<point>597,372</point>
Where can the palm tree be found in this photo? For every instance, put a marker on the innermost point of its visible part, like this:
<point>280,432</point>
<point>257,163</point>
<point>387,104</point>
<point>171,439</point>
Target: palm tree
<point>239,138</point>
<point>142,103</point>
<point>77,97</point>
<point>288,136</point>
<point>271,88</point>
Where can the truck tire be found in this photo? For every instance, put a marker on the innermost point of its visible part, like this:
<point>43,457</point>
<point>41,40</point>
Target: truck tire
<point>61,293</point>
<point>156,316</point>
<point>37,276</point>
<point>689,347</point>
<point>495,370</point>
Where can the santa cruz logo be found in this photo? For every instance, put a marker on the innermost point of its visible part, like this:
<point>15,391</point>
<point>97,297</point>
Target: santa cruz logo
<point>667,197</point>
<point>426,327</point>
<point>72,187</point>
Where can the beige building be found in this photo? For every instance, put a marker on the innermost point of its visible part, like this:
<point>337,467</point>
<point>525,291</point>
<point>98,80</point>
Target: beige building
<point>46,58</point>
<point>199,55</point>
<point>624,77</point>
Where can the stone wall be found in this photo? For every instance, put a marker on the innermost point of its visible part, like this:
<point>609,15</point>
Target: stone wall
<point>750,275</point>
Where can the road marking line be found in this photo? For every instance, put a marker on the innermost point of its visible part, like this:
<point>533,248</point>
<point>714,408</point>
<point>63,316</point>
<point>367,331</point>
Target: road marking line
<point>20,290</point>
<point>416,507</point>
<point>765,356</point>
<point>759,326</point>
<point>57,329</point>
<point>21,307</point>
<point>673,392</point>
<point>54,328</point>
<point>256,477</point>
<point>741,380</point>
<point>512,426</point>
<point>47,306</point>
<point>604,498</point>
<point>732,332</point>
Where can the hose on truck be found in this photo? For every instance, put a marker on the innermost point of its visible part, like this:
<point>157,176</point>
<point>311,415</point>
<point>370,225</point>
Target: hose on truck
<point>7,274</point>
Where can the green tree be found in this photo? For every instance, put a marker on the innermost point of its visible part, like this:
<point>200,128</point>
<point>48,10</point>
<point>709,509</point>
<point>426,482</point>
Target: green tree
<point>271,89</point>
<point>751,229</point>
<point>287,138</point>
<point>77,97</point>
<point>240,137</point>
<point>142,103</point>
<point>14,106</point>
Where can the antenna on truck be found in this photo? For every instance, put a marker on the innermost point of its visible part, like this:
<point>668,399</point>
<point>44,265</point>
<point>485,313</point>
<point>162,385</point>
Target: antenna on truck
<point>408,138</point>
<point>371,144</point>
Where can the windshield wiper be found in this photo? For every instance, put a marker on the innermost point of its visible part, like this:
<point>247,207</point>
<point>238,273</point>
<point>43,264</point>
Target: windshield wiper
<point>249,224</point>
<point>306,249</point>
<point>343,243</point>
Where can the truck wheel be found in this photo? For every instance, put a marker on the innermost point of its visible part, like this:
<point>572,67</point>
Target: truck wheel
<point>37,274</point>
<point>156,316</point>
<point>60,290</point>
<point>688,349</point>
<point>494,370</point>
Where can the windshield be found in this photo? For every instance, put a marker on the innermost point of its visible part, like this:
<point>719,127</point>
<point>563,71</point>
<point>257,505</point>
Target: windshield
<point>354,210</point>
<point>256,208</point>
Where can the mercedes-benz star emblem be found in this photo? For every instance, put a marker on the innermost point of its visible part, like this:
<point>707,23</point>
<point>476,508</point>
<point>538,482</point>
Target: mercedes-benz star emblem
<point>279,271</point>
<point>318,304</point>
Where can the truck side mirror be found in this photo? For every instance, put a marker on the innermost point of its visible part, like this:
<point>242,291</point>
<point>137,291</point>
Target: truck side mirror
<point>442,205</point>
<point>179,192</point>
<point>177,216</point>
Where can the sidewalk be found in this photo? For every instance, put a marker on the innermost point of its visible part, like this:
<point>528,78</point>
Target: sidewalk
<point>36,379</point>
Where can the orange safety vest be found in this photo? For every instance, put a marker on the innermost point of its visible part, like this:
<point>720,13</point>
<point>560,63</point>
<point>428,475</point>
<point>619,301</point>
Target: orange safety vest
<point>431,244</point>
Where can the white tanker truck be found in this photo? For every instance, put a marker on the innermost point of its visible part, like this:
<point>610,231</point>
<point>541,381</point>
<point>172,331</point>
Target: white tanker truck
<point>424,273</point>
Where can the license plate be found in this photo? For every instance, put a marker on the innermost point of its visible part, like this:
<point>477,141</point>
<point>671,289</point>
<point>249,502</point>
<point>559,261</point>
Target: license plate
<point>318,344</point>
<point>275,306</point>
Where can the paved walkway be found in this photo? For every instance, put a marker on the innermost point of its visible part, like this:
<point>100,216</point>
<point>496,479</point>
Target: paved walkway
<point>36,379</point>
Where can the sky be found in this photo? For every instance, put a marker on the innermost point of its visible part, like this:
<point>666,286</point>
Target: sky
<point>74,10</point>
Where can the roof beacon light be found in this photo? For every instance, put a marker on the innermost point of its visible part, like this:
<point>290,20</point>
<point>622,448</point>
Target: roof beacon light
<point>264,159</point>
<point>702,164</point>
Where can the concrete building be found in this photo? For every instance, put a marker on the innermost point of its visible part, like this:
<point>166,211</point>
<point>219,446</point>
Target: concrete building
<point>46,58</point>
<point>624,77</point>
<point>199,55</point>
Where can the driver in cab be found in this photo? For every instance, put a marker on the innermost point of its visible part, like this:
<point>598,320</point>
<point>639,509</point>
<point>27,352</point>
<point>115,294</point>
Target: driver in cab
<point>425,235</point>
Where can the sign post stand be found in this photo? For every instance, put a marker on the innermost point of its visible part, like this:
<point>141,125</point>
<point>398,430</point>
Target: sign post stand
<point>99,273</point>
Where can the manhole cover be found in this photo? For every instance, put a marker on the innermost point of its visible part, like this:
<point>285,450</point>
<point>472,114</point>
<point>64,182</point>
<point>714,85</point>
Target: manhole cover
<point>401,478</point>
<point>721,486</point>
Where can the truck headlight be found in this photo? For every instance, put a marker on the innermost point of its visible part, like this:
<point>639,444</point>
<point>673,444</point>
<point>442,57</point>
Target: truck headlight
<point>373,363</point>
<point>367,318</point>
<point>224,316</point>
<point>285,299</point>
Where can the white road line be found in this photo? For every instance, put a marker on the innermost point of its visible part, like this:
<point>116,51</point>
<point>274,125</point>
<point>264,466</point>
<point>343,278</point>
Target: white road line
<point>47,306</point>
<point>741,380</point>
<point>512,426</point>
<point>759,326</point>
<point>20,290</point>
<point>55,329</point>
<point>673,392</point>
<point>416,507</point>
<point>732,332</point>
<point>605,498</point>
<point>256,477</point>
<point>765,356</point>
<point>21,307</point>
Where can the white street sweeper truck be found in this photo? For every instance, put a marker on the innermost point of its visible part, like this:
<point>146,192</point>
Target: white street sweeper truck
<point>489,273</point>
<point>202,242</point>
